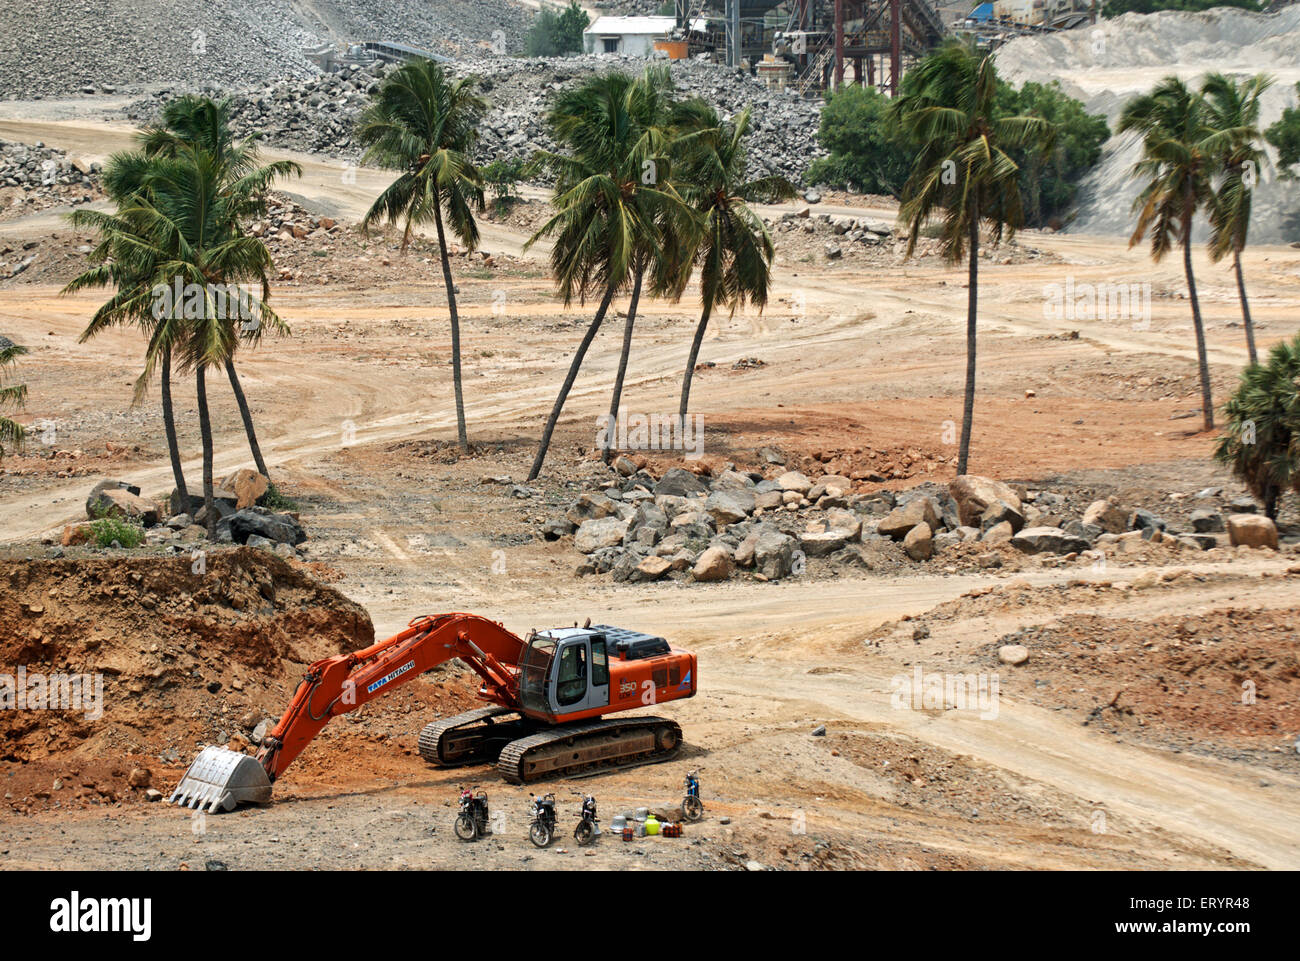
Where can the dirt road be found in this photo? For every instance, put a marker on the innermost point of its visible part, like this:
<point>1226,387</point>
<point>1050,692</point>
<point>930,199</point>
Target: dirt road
<point>849,355</point>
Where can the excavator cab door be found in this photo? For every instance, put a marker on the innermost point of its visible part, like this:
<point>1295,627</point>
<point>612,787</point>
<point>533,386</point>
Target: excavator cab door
<point>581,674</point>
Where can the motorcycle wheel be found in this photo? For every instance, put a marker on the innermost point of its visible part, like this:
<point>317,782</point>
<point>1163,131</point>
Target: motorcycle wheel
<point>585,832</point>
<point>692,808</point>
<point>466,829</point>
<point>539,834</point>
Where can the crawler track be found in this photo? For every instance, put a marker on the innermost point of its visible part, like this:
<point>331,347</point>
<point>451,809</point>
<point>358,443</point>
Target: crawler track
<point>475,736</point>
<point>588,748</point>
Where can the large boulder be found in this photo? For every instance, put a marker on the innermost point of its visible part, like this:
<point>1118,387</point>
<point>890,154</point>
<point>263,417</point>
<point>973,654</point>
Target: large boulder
<point>680,482</point>
<point>1106,515</point>
<point>1206,521</point>
<point>793,480</point>
<point>121,500</point>
<point>919,510</point>
<point>600,532</point>
<point>774,554</point>
<point>280,528</point>
<point>1252,530</point>
<point>713,565</point>
<point>247,485</point>
<point>822,543</point>
<point>1050,540</point>
<point>1001,511</point>
<point>588,507</point>
<point>729,506</point>
<point>919,542</point>
<point>974,495</point>
<point>651,569</point>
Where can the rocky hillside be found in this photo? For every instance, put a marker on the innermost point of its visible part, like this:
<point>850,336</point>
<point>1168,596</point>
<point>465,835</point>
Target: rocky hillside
<point>1104,66</point>
<point>317,114</point>
<point>59,47</point>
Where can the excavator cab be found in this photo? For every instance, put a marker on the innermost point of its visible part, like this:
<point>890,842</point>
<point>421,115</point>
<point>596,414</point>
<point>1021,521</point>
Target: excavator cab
<point>564,671</point>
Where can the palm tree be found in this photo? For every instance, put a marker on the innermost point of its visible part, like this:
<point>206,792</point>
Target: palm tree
<point>1233,113</point>
<point>962,167</point>
<point>130,257</point>
<point>204,123</point>
<point>1178,159</point>
<point>11,395</point>
<point>425,125</point>
<point>1261,442</point>
<point>734,250</point>
<point>117,261</point>
<point>619,217</point>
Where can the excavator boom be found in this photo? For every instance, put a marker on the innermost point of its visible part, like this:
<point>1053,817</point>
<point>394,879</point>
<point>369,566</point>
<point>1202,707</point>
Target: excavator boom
<point>220,778</point>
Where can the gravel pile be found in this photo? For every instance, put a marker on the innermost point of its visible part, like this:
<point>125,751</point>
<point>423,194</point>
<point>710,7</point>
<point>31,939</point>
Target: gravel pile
<point>61,47</point>
<point>317,114</point>
<point>1105,65</point>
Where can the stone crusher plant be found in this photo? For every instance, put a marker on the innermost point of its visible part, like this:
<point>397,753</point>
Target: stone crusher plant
<point>550,692</point>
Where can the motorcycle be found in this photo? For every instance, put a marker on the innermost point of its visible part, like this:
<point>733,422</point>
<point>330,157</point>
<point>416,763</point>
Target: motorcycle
<point>587,829</point>
<point>542,827</point>
<point>472,821</point>
<point>692,806</point>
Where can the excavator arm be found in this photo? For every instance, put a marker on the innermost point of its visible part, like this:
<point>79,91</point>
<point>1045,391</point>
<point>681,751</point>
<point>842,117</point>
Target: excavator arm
<point>339,684</point>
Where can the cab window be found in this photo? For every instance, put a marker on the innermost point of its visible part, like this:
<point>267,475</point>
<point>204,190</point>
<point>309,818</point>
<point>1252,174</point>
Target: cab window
<point>571,683</point>
<point>599,665</point>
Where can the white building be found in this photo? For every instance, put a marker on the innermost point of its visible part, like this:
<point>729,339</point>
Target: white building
<point>630,36</point>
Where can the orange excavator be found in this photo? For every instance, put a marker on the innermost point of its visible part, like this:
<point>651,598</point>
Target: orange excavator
<point>550,693</point>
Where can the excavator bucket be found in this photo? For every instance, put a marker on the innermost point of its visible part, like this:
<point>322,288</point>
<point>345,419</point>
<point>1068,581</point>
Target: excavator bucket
<point>220,779</point>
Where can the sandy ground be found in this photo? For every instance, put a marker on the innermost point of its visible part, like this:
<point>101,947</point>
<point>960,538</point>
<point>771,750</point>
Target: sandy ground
<point>354,412</point>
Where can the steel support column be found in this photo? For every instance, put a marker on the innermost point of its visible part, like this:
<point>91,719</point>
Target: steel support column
<point>895,45</point>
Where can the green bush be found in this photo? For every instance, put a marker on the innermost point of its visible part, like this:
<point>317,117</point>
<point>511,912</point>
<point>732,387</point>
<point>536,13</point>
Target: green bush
<point>557,31</point>
<point>1284,135</point>
<point>107,529</point>
<point>869,153</point>
<point>274,499</point>
<point>1261,439</point>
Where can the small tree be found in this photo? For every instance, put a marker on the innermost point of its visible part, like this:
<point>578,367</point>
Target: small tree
<point>1261,443</point>
<point>1284,135</point>
<point>557,31</point>
<point>11,395</point>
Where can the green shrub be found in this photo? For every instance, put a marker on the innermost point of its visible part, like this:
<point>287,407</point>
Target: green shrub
<point>107,529</point>
<point>274,499</point>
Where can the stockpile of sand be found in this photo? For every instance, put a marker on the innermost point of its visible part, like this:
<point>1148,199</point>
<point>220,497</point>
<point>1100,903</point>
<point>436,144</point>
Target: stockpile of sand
<point>1105,65</point>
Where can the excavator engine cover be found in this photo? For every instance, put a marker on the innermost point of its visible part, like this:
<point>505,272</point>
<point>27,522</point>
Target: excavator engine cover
<point>220,779</point>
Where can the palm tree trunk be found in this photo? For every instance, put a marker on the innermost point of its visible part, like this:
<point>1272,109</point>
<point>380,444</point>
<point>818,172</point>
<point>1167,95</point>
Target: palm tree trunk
<point>568,383</point>
<point>169,426</point>
<point>622,360</point>
<point>972,301</point>
<point>461,435</point>
<point>691,360</point>
<point>247,417</point>
<point>205,431</point>
<point>1207,405</point>
<point>1245,307</point>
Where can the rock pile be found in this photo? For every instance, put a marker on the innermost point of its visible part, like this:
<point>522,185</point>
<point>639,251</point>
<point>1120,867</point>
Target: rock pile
<point>34,177</point>
<point>97,47</point>
<point>317,114</point>
<point>238,501</point>
<point>697,527</point>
